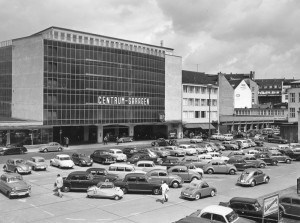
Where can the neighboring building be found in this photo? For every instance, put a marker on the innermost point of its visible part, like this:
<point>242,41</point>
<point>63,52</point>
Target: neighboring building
<point>84,86</point>
<point>294,101</point>
<point>200,102</point>
<point>242,94</point>
<point>270,90</point>
<point>286,84</point>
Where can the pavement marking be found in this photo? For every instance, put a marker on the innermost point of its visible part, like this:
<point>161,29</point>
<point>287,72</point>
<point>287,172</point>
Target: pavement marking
<point>104,219</point>
<point>22,200</point>
<point>33,205</point>
<point>76,219</point>
<point>233,188</point>
<point>48,213</point>
<point>133,214</point>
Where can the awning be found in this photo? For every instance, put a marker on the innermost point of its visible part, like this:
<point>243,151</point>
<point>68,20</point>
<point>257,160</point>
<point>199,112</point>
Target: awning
<point>199,125</point>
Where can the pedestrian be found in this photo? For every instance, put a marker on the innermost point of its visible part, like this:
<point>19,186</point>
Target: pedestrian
<point>105,140</point>
<point>59,184</point>
<point>117,139</point>
<point>67,142</point>
<point>164,189</point>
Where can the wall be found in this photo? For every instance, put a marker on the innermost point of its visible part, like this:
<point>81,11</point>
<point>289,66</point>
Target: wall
<point>226,100</point>
<point>242,96</point>
<point>295,104</point>
<point>27,78</point>
<point>254,89</point>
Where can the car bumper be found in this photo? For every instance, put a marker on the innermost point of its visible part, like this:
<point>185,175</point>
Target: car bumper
<point>109,161</point>
<point>40,167</point>
<point>186,195</point>
<point>24,171</point>
<point>245,183</point>
<point>20,193</point>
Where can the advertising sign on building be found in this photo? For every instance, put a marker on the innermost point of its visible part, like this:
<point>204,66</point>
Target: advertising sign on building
<point>271,205</point>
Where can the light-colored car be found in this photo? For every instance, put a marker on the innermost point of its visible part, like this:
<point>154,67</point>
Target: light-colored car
<point>205,147</point>
<point>118,154</point>
<point>184,173</point>
<point>158,175</point>
<point>161,151</point>
<point>252,177</point>
<point>198,189</point>
<point>289,205</point>
<point>243,144</point>
<point>192,166</point>
<point>196,139</point>
<point>227,137</point>
<point>230,146</point>
<point>205,158</point>
<point>105,190</point>
<point>216,155</point>
<point>216,136</point>
<point>219,166</point>
<point>62,161</point>
<point>122,169</point>
<point>146,165</point>
<point>37,163</point>
<point>125,139</point>
<point>252,152</point>
<point>51,147</point>
<point>251,143</point>
<point>175,151</point>
<point>12,184</point>
<point>17,165</point>
<point>188,149</point>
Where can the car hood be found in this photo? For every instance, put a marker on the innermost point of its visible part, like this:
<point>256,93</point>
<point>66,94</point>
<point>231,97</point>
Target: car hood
<point>41,164</point>
<point>23,166</point>
<point>245,177</point>
<point>20,185</point>
<point>189,190</point>
<point>111,175</point>
<point>86,159</point>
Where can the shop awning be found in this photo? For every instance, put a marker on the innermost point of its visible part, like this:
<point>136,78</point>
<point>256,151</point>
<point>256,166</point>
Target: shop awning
<point>199,125</point>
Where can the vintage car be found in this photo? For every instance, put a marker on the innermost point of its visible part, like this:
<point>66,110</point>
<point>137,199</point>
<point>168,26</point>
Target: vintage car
<point>11,150</point>
<point>103,157</point>
<point>236,153</point>
<point>185,173</point>
<point>252,177</point>
<point>230,146</point>
<point>118,154</point>
<point>280,157</point>
<point>17,165</point>
<point>267,158</point>
<point>62,161</point>
<point>262,149</point>
<point>290,205</point>
<point>205,158</point>
<point>143,156</point>
<point>259,142</point>
<point>146,165</point>
<point>227,137</point>
<point>161,151</point>
<point>105,190</point>
<point>192,166</point>
<point>125,139</point>
<point>196,139</point>
<point>205,147</point>
<point>137,182</point>
<point>216,136</point>
<point>129,151</point>
<point>293,153</point>
<point>220,146</point>
<point>277,139</point>
<point>12,184</point>
<point>37,163</point>
<point>217,155</point>
<point>79,180</point>
<point>171,161</point>
<point>81,159</point>
<point>252,152</point>
<point>251,143</point>
<point>160,142</point>
<point>257,162</point>
<point>122,169</point>
<point>240,163</point>
<point>102,174</point>
<point>250,208</point>
<point>215,213</point>
<point>198,189</point>
<point>51,147</point>
<point>196,161</point>
<point>175,151</point>
<point>219,166</point>
<point>189,150</point>
<point>159,175</point>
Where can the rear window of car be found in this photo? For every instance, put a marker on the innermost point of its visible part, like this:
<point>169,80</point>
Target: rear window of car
<point>296,201</point>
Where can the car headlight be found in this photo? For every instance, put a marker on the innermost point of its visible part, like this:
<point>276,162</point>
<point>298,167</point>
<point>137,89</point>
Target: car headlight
<point>83,161</point>
<point>30,167</point>
<point>92,160</point>
<point>19,169</point>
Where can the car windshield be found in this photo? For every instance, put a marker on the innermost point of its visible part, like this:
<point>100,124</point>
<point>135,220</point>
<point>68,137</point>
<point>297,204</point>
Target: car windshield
<point>82,155</point>
<point>64,158</point>
<point>118,151</point>
<point>104,153</point>
<point>20,161</point>
<point>245,173</point>
<point>14,179</point>
<point>41,160</point>
<point>232,216</point>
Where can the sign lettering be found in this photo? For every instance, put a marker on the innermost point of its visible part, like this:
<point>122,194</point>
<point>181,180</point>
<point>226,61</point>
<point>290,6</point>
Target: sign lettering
<point>105,100</point>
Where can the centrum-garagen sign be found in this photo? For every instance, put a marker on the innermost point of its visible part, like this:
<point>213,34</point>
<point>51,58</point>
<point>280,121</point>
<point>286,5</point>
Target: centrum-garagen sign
<point>105,100</point>
<point>271,205</point>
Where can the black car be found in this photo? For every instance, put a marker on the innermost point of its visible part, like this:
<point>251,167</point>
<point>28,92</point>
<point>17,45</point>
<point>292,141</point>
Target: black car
<point>293,153</point>
<point>259,142</point>
<point>101,174</point>
<point>12,149</point>
<point>130,151</point>
<point>240,163</point>
<point>79,180</point>
<point>171,161</point>
<point>81,159</point>
<point>267,158</point>
<point>249,208</point>
<point>160,142</point>
<point>143,156</point>
<point>277,139</point>
<point>137,182</point>
<point>102,156</point>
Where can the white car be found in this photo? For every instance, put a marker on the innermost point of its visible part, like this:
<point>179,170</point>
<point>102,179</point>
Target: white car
<point>216,155</point>
<point>205,158</point>
<point>227,137</point>
<point>216,136</point>
<point>118,154</point>
<point>62,161</point>
<point>252,152</point>
<point>146,166</point>
<point>196,139</point>
<point>188,149</point>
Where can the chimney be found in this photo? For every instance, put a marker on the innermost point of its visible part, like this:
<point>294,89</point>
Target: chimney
<point>161,43</point>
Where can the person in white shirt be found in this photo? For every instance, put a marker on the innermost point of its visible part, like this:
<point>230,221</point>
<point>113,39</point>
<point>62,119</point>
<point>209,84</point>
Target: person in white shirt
<point>59,184</point>
<point>164,189</point>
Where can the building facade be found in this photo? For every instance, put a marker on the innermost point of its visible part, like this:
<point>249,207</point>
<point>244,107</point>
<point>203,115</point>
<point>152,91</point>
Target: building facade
<point>86,86</point>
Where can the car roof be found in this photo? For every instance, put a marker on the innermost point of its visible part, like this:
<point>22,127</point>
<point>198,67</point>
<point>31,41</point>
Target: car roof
<point>38,157</point>
<point>95,168</point>
<point>16,159</point>
<point>243,200</point>
<point>251,169</point>
<point>198,181</point>
<point>145,161</point>
<point>115,149</point>
<point>10,174</point>
<point>179,166</point>
<point>79,172</point>
<point>121,165</point>
<point>136,174</point>
<point>63,155</point>
<point>217,209</point>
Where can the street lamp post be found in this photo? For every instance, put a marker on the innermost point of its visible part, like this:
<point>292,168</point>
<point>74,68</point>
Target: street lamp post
<point>209,86</point>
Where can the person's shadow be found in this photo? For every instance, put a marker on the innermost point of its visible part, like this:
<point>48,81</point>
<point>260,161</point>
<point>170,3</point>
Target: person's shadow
<point>160,200</point>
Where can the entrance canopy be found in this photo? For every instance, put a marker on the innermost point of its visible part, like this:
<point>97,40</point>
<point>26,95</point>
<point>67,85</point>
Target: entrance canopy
<point>199,125</point>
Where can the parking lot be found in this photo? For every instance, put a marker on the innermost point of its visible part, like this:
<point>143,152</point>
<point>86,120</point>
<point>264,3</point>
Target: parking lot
<point>44,206</point>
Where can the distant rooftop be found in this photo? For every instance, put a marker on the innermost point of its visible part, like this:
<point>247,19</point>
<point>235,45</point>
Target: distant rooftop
<point>192,77</point>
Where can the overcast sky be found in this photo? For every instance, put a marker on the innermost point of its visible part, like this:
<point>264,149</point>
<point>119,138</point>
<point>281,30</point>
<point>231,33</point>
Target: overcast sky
<point>212,36</point>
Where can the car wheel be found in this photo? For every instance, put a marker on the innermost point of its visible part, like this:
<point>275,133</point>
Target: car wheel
<point>117,197</point>
<point>212,193</point>
<point>80,164</point>
<point>45,150</point>
<point>288,161</point>
<point>5,168</point>
<point>176,154</point>
<point>267,180</point>
<point>21,152</point>
<point>59,149</point>
<point>156,191</point>
<point>275,163</point>
<point>197,196</point>
<point>58,166</point>
<point>125,190</point>
<point>210,171</point>
<point>253,183</point>
<point>33,168</point>
<point>281,213</point>
<point>66,189</point>
<point>9,195</point>
<point>194,178</point>
<point>16,171</point>
<point>175,184</point>
<point>232,172</point>
<point>262,165</point>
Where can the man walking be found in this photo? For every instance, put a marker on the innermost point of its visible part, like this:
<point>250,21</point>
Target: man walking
<point>59,184</point>
<point>164,189</point>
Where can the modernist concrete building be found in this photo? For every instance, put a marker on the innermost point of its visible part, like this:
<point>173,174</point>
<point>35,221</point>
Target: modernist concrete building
<point>68,83</point>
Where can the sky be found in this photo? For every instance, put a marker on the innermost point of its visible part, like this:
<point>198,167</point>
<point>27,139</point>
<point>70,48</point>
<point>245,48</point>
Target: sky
<point>211,36</point>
